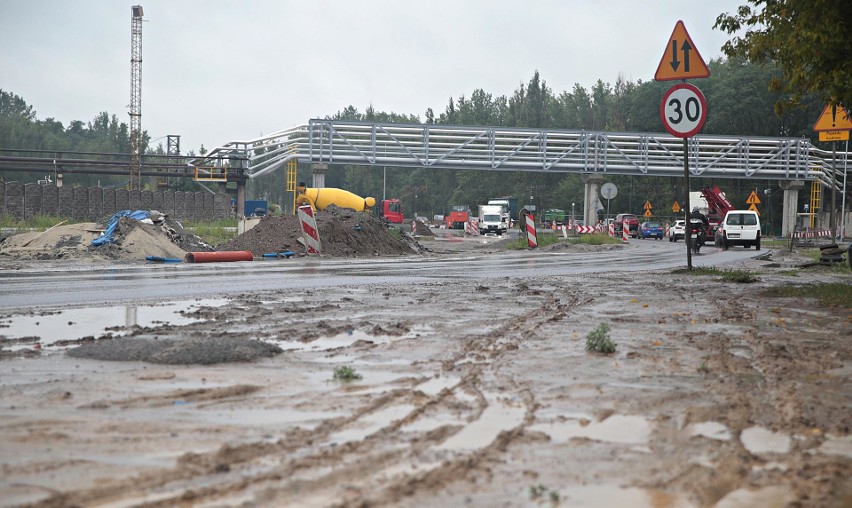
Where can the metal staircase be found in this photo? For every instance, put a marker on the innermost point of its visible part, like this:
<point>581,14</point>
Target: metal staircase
<point>536,150</point>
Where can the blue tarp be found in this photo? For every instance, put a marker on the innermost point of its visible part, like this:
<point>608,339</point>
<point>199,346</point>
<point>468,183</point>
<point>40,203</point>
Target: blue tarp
<point>113,223</point>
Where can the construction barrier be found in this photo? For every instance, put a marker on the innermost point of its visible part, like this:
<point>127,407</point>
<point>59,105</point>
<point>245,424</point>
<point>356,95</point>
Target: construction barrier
<point>472,228</point>
<point>611,229</point>
<point>532,240</point>
<point>625,234</point>
<point>585,229</point>
<point>309,229</point>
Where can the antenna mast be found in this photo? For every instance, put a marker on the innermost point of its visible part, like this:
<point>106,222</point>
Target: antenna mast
<point>136,97</point>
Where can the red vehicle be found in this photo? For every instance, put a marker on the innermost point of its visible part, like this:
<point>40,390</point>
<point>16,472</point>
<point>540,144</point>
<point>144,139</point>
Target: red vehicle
<point>717,206</point>
<point>459,215</point>
<point>628,220</point>
<point>390,210</point>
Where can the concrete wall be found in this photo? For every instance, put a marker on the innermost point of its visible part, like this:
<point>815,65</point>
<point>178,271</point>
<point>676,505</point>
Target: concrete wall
<point>96,204</point>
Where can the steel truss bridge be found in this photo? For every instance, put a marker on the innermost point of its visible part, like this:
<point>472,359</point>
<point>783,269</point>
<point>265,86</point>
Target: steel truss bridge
<point>535,150</point>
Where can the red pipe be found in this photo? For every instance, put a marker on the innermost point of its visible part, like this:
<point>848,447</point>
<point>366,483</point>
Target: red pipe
<point>212,257</point>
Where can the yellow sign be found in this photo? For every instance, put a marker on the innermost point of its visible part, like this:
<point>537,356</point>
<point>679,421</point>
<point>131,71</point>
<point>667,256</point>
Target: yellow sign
<point>753,208</point>
<point>648,205</point>
<point>647,212</point>
<point>681,59</point>
<point>753,199</point>
<point>833,119</point>
<point>834,136</point>
<point>676,207</point>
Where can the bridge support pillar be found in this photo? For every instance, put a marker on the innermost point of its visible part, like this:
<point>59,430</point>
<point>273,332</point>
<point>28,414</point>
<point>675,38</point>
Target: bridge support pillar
<point>791,190</point>
<point>591,182</point>
<point>319,170</point>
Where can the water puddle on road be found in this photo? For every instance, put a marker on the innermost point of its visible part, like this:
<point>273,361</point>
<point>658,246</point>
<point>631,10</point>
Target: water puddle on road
<point>769,497</point>
<point>497,417</point>
<point>74,324</point>
<point>710,430</point>
<point>343,340</point>
<point>758,440</point>
<point>267,417</point>
<point>836,445</point>
<point>593,496</point>
<point>622,429</point>
<point>371,423</point>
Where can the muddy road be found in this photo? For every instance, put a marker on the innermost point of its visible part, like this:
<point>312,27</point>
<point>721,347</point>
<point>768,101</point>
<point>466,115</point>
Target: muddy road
<point>441,391</point>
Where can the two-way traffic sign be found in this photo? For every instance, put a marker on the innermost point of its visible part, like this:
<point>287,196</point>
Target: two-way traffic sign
<point>681,59</point>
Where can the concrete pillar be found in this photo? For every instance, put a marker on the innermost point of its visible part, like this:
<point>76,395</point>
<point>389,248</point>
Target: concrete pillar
<point>591,182</point>
<point>319,170</point>
<point>791,190</point>
<point>241,197</point>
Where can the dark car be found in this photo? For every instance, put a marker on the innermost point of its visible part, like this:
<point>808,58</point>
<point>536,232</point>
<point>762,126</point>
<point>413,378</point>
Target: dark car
<point>651,230</point>
<point>630,221</point>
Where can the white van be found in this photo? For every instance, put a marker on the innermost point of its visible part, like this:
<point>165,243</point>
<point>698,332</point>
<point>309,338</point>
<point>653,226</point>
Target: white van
<point>739,227</point>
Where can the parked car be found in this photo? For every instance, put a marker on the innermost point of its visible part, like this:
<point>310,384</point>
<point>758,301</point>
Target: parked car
<point>629,221</point>
<point>739,227</point>
<point>677,230</point>
<point>650,230</point>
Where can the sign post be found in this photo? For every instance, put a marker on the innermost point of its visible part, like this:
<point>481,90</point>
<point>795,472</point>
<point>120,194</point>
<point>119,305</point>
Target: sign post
<point>834,125</point>
<point>683,109</point>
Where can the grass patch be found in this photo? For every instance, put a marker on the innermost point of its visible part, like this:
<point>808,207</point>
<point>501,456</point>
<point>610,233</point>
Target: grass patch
<point>740,276</point>
<point>836,294</point>
<point>214,232</point>
<point>345,373</point>
<point>395,232</point>
<point>596,239</point>
<point>36,222</point>
<point>598,340</point>
<point>543,241</point>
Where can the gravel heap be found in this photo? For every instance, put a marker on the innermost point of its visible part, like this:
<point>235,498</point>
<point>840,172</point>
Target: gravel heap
<point>343,233</point>
<point>192,351</point>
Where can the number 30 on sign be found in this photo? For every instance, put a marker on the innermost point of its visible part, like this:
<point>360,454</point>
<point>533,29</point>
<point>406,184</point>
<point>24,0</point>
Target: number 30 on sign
<point>683,110</point>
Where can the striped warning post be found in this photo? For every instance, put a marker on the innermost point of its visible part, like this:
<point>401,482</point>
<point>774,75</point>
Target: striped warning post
<point>611,228</point>
<point>309,229</point>
<point>586,229</point>
<point>532,240</point>
<point>472,227</point>
<point>625,233</point>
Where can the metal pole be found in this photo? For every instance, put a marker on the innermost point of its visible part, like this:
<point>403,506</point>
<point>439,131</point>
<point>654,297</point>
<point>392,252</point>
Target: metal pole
<point>832,217</point>
<point>384,181</point>
<point>843,205</point>
<point>687,233</point>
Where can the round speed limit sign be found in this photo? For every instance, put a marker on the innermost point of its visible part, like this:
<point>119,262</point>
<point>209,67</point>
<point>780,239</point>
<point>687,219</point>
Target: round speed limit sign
<point>683,110</point>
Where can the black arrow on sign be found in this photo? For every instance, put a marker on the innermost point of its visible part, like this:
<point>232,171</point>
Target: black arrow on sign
<point>674,63</point>
<point>686,48</point>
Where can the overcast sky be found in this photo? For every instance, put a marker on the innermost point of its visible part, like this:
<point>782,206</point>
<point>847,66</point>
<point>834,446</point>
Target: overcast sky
<point>214,71</point>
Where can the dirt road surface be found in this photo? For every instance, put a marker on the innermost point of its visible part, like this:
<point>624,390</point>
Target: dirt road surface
<point>718,394</point>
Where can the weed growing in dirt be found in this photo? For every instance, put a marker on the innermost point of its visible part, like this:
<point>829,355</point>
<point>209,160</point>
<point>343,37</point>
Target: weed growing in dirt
<point>345,373</point>
<point>598,340</point>
<point>703,368</point>
<point>596,239</point>
<point>740,276</point>
<point>829,295</point>
<point>395,232</point>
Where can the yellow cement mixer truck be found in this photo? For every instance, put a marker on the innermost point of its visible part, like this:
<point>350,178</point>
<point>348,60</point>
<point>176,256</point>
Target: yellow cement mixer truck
<point>320,199</point>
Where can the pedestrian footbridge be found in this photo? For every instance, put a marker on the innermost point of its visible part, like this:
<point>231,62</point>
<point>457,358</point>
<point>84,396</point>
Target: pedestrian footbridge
<point>535,150</point>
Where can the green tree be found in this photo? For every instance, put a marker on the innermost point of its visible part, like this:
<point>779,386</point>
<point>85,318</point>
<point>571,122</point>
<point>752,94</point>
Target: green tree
<point>808,40</point>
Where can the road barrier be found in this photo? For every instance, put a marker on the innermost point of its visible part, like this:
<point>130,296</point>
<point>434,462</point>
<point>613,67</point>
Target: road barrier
<point>532,240</point>
<point>472,227</point>
<point>309,229</point>
<point>625,234</point>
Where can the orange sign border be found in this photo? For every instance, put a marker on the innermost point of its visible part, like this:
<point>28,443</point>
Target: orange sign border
<point>826,113</point>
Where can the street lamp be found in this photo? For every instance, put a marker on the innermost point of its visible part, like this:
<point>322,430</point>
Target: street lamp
<point>572,214</point>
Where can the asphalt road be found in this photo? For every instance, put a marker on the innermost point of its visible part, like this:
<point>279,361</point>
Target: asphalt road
<point>64,285</point>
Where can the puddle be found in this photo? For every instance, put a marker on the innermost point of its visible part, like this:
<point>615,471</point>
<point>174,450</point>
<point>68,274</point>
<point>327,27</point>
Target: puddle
<point>371,423</point>
<point>74,324</point>
<point>342,340</point>
<point>741,351</point>
<point>759,440</point>
<point>710,430</point>
<point>594,496</point>
<point>623,429</point>
<point>267,417</point>
<point>497,417</point>
<point>767,497</point>
<point>836,445</point>
<point>436,385</point>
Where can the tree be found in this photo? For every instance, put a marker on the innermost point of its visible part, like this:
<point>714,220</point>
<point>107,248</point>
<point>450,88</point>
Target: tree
<point>808,40</point>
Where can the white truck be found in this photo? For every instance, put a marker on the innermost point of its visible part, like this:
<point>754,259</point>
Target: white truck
<point>492,220</point>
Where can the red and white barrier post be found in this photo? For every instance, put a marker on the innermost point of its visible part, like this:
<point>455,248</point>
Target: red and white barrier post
<point>532,240</point>
<point>625,233</point>
<point>309,229</point>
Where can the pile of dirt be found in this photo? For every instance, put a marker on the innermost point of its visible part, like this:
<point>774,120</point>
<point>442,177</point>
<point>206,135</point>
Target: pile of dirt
<point>421,229</point>
<point>134,240</point>
<point>342,232</point>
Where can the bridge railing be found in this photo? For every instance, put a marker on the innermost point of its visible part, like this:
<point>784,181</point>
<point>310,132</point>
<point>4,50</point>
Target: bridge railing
<point>509,149</point>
